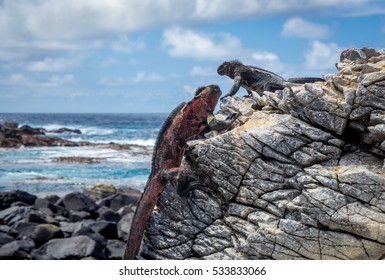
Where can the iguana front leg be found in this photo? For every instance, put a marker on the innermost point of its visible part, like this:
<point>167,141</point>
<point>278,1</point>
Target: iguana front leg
<point>215,124</point>
<point>234,89</point>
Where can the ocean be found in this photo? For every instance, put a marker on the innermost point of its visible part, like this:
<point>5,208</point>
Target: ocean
<point>37,170</point>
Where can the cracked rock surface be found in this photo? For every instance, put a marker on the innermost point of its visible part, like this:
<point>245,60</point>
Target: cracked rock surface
<point>302,178</point>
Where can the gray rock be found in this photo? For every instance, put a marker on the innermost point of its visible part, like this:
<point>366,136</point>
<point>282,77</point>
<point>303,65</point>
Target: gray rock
<point>78,202</point>
<point>25,230</point>
<point>44,203</point>
<point>69,248</point>
<point>86,231</point>
<point>124,226</point>
<point>117,201</point>
<point>14,214</point>
<point>5,238</point>
<point>115,249</point>
<point>105,228</point>
<point>76,216</point>
<point>17,250</point>
<point>106,214</point>
<point>301,179</point>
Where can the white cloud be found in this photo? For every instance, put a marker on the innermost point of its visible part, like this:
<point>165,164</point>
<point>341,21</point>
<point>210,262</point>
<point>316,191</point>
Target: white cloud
<point>138,78</point>
<point>203,71</point>
<point>21,80</point>
<point>322,55</point>
<point>298,27</point>
<point>188,43</point>
<point>53,64</point>
<point>59,24</point>
<point>125,45</point>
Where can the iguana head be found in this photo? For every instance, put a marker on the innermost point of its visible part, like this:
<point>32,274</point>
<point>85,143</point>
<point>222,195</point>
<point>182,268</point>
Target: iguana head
<point>207,97</point>
<point>228,67</point>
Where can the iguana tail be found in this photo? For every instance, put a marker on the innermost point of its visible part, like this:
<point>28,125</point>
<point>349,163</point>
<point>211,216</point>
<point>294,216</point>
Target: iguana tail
<point>305,80</point>
<point>143,212</point>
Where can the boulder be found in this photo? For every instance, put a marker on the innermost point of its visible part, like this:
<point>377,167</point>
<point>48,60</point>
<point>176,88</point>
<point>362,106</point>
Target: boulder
<point>105,228</point>
<point>77,201</point>
<point>77,247</point>
<point>26,197</point>
<point>77,216</point>
<point>100,239</point>
<point>36,216</point>
<point>106,214</point>
<point>6,199</point>
<point>44,203</point>
<point>124,226</point>
<point>100,191</point>
<point>115,249</point>
<point>5,238</point>
<point>301,178</point>
<point>117,201</point>
<point>45,232</point>
<point>25,230</point>
<point>17,250</point>
<point>14,214</point>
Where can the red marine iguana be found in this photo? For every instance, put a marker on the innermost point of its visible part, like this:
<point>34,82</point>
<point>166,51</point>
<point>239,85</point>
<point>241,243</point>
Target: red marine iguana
<point>184,123</point>
<point>256,79</point>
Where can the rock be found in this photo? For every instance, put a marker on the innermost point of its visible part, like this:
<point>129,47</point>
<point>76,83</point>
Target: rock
<point>64,130</point>
<point>70,248</point>
<point>6,199</point>
<point>105,228</point>
<point>25,197</point>
<point>35,223</point>
<point>301,179</point>
<point>36,216</point>
<point>11,136</point>
<point>81,160</point>
<point>45,232</point>
<point>124,226</point>
<point>16,250</point>
<point>100,191</point>
<point>25,230</point>
<point>77,201</point>
<point>14,214</point>
<point>32,131</point>
<point>87,231</point>
<point>77,216</point>
<point>115,249</point>
<point>9,125</point>
<point>68,227</point>
<point>9,198</point>
<point>5,238</point>
<point>44,203</point>
<point>117,201</point>
<point>106,214</point>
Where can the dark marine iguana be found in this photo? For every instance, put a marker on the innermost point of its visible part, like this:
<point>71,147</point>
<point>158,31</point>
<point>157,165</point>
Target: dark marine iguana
<point>256,79</point>
<point>184,123</point>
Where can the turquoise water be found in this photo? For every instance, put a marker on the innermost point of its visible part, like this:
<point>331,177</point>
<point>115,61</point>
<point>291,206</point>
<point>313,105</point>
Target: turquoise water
<point>35,169</point>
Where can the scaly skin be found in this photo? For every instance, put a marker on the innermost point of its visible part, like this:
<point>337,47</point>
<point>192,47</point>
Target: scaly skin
<point>257,79</point>
<point>184,123</point>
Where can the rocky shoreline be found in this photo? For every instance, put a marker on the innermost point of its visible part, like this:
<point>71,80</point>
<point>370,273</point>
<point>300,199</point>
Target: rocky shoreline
<point>92,224</point>
<point>12,135</point>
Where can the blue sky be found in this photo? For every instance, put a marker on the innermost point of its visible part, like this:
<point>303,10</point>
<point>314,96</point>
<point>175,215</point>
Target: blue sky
<point>130,56</point>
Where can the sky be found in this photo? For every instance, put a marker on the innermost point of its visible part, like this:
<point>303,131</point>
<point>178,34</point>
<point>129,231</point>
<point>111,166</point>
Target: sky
<point>143,56</point>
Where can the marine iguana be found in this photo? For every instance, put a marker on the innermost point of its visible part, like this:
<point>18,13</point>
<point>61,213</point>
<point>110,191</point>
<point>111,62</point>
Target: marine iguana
<point>184,123</point>
<point>256,79</point>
